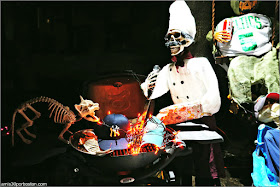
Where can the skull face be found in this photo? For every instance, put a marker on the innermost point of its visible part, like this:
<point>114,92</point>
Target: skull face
<point>246,6</point>
<point>177,40</point>
<point>86,110</point>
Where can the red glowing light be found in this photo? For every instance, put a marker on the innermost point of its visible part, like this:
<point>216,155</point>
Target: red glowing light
<point>6,127</point>
<point>109,112</point>
<point>7,133</point>
<point>2,129</point>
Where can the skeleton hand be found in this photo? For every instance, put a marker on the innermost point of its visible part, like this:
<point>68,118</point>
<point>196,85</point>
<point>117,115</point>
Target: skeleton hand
<point>152,77</point>
<point>222,36</point>
<point>150,82</point>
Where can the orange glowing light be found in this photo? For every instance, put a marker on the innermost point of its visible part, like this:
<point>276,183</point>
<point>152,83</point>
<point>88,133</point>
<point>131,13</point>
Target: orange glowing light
<point>109,112</point>
<point>157,149</point>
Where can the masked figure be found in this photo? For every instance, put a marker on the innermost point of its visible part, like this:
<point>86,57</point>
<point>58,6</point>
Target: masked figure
<point>193,87</point>
<point>246,40</point>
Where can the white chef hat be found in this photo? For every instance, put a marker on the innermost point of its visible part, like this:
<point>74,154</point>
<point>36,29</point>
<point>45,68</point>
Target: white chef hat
<point>181,18</point>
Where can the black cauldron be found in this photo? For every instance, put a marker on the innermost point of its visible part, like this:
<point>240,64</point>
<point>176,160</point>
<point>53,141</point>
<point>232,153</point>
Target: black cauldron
<point>124,168</point>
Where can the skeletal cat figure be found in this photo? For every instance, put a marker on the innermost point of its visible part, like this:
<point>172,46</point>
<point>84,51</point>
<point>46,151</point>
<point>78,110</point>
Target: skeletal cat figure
<point>62,115</point>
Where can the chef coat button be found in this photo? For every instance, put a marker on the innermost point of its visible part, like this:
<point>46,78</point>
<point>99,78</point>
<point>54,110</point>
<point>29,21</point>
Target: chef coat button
<point>174,83</point>
<point>182,82</point>
<point>177,97</point>
<point>170,69</point>
<point>187,97</point>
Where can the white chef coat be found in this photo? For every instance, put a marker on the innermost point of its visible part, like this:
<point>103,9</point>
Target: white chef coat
<point>196,82</point>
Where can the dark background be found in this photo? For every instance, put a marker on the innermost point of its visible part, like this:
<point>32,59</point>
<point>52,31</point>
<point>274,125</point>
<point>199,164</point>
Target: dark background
<point>52,48</point>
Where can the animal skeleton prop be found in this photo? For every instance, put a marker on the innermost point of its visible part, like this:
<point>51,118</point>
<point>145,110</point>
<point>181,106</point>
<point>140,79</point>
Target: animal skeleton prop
<point>62,115</point>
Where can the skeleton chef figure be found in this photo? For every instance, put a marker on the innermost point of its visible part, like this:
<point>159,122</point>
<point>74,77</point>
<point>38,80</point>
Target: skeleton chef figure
<point>194,90</point>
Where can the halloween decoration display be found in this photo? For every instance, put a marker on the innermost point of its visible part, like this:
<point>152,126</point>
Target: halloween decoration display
<point>61,114</point>
<point>126,160</point>
<point>248,47</point>
<point>192,84</point>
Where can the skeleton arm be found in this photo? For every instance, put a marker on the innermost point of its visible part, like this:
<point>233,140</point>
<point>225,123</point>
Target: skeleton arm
<point>149,82</point>
<point>222,36</point>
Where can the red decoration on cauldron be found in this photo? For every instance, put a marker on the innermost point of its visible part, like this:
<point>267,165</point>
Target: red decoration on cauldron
<point>119,94</point>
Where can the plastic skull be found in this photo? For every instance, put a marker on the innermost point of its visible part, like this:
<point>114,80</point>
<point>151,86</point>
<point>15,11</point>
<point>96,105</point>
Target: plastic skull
<point>87,109</point>
<point>177,40</point>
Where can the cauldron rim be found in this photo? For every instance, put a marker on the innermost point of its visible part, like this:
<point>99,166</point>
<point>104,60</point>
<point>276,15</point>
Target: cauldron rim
<point>91,130</point>
<point>127,162</point>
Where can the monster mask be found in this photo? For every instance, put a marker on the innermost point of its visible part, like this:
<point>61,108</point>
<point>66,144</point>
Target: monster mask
<point>243,7</point>
<point>87,109</point>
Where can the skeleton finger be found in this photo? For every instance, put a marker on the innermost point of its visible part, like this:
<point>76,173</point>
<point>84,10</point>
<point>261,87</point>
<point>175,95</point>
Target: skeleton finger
<point>222,41</point>
<point>152,74</point>
<point>151,86</point>
<point>153,79</point>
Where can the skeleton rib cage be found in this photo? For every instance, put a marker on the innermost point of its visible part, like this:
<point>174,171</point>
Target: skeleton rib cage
<point>62,114</point>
